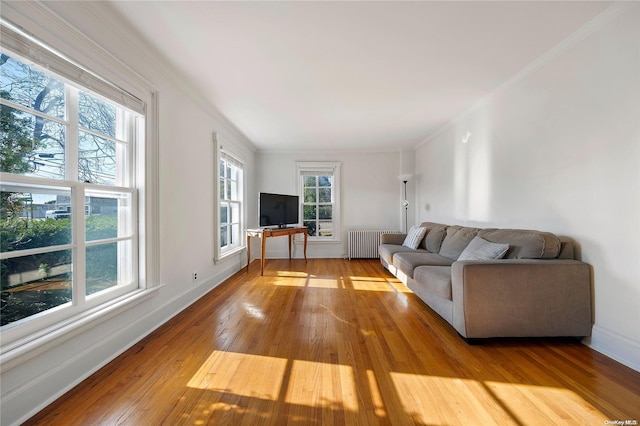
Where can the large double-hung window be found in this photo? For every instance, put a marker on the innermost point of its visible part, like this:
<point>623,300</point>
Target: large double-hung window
<point>69,180</point>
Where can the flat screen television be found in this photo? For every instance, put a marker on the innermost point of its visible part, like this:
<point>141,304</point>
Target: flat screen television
<point>278,209</point>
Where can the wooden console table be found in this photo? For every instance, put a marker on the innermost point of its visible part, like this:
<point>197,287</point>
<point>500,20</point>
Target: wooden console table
<point>264,233</point>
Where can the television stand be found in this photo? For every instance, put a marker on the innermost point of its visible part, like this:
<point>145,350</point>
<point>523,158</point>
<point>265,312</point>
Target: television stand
<point>265,233</point>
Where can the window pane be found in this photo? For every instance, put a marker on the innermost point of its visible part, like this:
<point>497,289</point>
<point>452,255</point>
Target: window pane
<point>224,214</point>
<point>235,212</point>
<point>311,227</point>
<point>223,236</point>
<point>235,235</point>
<point>31,88</point>
<point>108,215</point>
<point>325,180</point>
<point>31,145</point>
<point>108,265</point>
<point>325,212</point>
<point>222,186</point>
<point>310,181</point>
<point>97,115</point>
<point>33,284</point>
<point>310,195</point>
<point>324,195</point>
<point>34,219</point>
<point>308,212</point>
<point>326,229</point>
<point>96,159</point>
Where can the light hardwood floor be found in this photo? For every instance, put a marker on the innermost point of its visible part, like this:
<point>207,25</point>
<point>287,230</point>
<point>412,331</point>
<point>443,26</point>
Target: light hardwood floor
<point>340,342</point>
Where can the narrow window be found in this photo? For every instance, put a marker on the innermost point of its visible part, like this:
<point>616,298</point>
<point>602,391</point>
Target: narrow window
<point>319,184</point>
<point>231,203</point>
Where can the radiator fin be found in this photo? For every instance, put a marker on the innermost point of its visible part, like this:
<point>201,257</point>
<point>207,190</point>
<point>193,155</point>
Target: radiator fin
<point>363,244</point>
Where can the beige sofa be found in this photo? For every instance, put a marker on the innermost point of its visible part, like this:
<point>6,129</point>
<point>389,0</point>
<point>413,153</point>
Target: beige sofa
<point>536,289</point>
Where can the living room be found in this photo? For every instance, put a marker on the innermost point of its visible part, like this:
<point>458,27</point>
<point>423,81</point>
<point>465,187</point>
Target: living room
<point>554,146</point>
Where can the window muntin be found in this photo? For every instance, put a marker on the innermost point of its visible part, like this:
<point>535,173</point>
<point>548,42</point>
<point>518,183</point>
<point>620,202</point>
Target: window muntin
<point>231,203</point>
<point>65,157</point>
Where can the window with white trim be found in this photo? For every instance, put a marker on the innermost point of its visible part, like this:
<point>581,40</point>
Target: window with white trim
<point>319,191</point>
<point>231,203</point>
<point>71,163</point>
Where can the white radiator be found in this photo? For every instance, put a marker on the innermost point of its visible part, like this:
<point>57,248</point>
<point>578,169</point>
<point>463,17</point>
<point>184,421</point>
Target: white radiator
<point>364,243</point>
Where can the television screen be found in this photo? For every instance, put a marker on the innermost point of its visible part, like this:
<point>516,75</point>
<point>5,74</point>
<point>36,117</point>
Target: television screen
<point>278,209</point>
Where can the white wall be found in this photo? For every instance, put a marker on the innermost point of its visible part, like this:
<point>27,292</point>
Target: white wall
<point>370,194</point>
<point>558,150</point>
<point>186,208</point>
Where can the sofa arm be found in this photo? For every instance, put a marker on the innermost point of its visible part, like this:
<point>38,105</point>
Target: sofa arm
<point>396,239</point>
<point>521,298</point>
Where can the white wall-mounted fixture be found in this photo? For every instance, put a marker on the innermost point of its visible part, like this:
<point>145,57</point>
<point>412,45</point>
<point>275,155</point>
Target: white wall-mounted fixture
<point>466,138</point>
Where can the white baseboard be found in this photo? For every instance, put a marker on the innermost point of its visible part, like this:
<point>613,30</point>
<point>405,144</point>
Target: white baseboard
<point>615,346</point>
<point>32,396</point>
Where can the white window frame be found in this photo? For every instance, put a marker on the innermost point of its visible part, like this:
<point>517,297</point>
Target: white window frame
<point>35,334</point>
<point>223,152</point>
<point>326,168</point>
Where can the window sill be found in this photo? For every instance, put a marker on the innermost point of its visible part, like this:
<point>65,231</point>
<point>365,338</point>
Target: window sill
<point>228,254</point>
<point>33,345</point>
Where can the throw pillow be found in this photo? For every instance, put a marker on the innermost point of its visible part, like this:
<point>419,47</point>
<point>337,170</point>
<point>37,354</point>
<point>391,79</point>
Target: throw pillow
<point>481,249</point>
<point>414,236</point>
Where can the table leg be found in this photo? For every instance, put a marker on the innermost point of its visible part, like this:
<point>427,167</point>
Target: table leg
<point>305,246</point>
<point>289,246</point>
<point>248,252</point>
<point>262,253</point>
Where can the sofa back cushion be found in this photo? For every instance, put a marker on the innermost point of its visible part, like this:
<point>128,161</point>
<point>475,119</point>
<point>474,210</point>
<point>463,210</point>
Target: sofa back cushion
<point>524,244</point>
<point>435,234</point>
<point>456,240</point>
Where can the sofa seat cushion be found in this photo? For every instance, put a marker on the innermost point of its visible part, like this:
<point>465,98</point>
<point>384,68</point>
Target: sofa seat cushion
<point>406,262</point>
<point>435,279</point>
<point>524,244</point>
<point>386,251</point>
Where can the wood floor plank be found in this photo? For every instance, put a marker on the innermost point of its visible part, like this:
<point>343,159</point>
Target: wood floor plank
<point>333,342</point>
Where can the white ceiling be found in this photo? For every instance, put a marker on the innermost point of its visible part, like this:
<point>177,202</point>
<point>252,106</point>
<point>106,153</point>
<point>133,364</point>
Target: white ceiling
<point>350,75</point>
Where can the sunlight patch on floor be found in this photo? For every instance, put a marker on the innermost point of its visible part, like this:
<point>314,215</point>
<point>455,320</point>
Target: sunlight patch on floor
<point>239,374</point>
<point>377,284</point>
<point>443,400</point>
<point>552,402</point>
<point>290,282</point>
<point>292,274</point>
<point>451,400</point>
<point>322,385</point>
<point>323,283</point>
